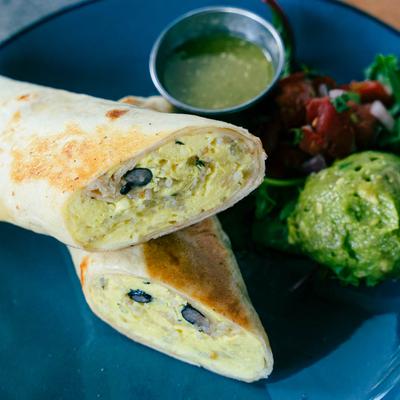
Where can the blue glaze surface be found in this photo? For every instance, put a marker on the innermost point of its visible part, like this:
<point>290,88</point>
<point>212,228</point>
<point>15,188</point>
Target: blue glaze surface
<point>329,342</point>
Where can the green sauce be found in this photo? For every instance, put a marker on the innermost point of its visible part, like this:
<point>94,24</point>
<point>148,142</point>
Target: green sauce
<point>217,71</point>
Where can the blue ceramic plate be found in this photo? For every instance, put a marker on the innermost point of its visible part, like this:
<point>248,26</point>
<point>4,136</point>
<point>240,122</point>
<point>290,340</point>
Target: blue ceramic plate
<point>329,343</point>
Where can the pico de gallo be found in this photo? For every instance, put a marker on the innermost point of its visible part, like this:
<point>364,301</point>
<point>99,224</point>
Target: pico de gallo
<point>309,122</point>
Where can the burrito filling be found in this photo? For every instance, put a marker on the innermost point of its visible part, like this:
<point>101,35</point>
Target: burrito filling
<point>176,182</point>
<point>164,319</point>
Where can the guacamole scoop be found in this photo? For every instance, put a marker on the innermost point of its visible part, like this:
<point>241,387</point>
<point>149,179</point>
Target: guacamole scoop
<point>347,218</point>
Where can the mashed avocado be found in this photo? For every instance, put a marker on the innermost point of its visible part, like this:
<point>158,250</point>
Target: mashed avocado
<point>348,217</point>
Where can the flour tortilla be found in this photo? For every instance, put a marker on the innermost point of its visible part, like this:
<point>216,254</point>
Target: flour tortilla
<point>197,264</point>
<point>54,143</point>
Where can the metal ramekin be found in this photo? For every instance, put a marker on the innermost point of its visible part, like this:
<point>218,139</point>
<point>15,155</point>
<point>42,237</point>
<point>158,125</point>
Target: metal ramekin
<point>210,20</point>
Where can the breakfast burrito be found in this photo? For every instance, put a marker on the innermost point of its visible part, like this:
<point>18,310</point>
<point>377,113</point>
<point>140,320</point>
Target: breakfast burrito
<point>156,103</point>
<point>103,175</point>
<point>181,294</point>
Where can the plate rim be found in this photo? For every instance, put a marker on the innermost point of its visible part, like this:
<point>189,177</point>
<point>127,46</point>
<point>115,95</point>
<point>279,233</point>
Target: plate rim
<point>10,39</point>
<point>84,3</point>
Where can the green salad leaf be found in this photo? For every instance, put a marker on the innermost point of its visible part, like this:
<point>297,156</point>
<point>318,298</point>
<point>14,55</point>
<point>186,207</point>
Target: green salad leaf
<point>386,69</point>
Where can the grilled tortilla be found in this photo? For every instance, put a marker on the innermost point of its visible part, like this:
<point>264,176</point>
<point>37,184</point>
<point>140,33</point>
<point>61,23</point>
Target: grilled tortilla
<point>102,175</point>
<point>181,294</point>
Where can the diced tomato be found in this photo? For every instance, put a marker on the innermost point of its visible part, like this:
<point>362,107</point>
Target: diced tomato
<point>364,125</point>
<point>312,142</point>
<point>293,94</point>
<point>329,133</point>
<point>371,91</point>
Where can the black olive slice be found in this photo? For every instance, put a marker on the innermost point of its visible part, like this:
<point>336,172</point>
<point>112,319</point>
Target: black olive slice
<point>136,177</point>
<point>125,189</point>
<point>196,318</point>
<point>139,176</point>
<point>139,296</point>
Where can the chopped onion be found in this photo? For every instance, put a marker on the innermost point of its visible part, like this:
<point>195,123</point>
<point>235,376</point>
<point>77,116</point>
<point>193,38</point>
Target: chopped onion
<point>323,90</point>
<point>314,164</point>
<point>336,93</point>
<point>380,112</point>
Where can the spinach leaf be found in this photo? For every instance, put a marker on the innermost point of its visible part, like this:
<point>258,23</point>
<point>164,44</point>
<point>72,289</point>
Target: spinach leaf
<point>275,201</point>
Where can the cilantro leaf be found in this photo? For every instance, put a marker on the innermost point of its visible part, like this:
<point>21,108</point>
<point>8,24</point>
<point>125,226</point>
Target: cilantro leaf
<point>340,102</point>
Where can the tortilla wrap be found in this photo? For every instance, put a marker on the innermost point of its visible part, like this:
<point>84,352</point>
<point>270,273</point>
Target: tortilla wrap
<point>181,294</point>
<point>103,175</point>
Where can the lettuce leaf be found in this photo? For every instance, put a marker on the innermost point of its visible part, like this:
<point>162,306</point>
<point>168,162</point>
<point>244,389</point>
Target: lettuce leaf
<point>386,69</point>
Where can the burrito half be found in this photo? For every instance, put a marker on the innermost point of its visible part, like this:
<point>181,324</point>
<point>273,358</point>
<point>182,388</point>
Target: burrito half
<point>102,175</point>
<point>181,294</point>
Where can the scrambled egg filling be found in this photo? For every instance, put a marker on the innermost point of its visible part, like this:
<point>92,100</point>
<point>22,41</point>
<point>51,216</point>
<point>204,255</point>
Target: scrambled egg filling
<point>224,346</point>
<point>190,175</point>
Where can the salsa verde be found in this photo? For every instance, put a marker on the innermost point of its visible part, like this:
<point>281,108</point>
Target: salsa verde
<point>217,71</point>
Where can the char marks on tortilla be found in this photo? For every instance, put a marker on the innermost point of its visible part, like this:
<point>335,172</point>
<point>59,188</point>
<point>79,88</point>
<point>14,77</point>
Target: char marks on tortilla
<point>201,272</point>
<point>71,159</point>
